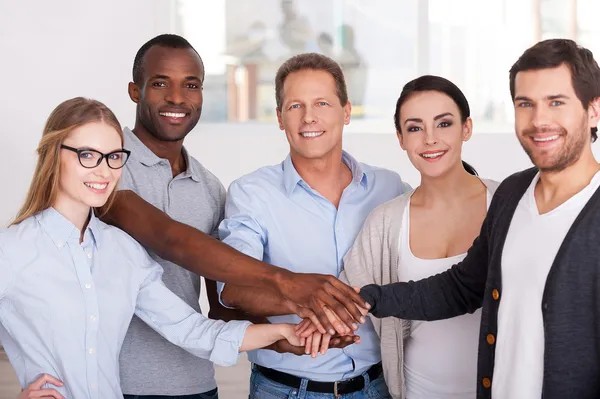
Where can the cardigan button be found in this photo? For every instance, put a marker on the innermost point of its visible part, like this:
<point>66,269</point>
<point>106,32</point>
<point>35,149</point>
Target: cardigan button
<point>495,294</point>
<point>490,339</point>
<point>487,383</point>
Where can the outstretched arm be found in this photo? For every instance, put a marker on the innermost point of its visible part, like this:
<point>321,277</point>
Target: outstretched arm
<point>454,292</point>
<point>206,256</point>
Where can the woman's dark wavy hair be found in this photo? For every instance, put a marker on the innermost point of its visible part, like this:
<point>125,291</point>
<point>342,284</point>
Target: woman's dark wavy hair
<point>439,84</point>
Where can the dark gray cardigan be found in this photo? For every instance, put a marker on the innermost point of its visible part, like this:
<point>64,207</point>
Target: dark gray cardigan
<point>570,303</point>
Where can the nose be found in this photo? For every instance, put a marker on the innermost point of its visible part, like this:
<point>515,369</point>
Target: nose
<point>541,117</point>
<point>103,170</point>
<point>309,116</point>
<point>174,95</point>
<point>430,137</point>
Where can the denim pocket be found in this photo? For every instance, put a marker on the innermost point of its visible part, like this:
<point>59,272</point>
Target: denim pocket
<point>263,388</point>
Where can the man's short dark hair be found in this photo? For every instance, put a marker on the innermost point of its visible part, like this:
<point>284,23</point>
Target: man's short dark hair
<point>313,61</point>
<point>166,40</point>
<point>552,53</point>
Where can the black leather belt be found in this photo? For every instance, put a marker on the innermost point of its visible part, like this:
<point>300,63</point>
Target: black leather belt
<point>337,388</point>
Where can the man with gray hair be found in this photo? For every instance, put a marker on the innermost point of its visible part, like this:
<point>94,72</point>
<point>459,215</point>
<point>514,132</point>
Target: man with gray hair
<point>304,214</point>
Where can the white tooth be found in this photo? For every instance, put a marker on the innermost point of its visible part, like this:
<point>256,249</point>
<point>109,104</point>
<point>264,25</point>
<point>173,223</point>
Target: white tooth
<point>434,155</point>
<point>545,138</point>
<point>311,134</point>
<point>173,114</point>
<point>96,186</point>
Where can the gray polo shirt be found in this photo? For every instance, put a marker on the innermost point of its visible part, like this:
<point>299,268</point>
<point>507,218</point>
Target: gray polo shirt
<point>150,365</point>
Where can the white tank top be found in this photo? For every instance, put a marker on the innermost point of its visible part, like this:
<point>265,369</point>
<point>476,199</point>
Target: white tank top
<point>440,357</point>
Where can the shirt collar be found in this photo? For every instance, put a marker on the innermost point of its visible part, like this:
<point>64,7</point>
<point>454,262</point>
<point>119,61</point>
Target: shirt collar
<point>60,229</point>
<point>193,169</point>
<point>139,151</point>
<point>291,178</point>
<point>144,155</point>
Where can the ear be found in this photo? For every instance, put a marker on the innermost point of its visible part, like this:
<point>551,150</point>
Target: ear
<point>594,112</point>
<point>347,113</point>
<point>467,129</point>
<point>134,92</point>
<point>280,120</point>
<point>400,140</point>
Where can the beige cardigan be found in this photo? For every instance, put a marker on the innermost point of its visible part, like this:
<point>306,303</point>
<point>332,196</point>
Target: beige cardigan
<point>373,259</point>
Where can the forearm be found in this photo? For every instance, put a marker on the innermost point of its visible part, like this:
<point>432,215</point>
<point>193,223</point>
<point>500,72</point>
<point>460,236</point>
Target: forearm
<point>220,312</point>
<point>208,257</point>
<point>256,301</point>
<point>187,246</point>
<point>263,335</point>
<point>438,297</point>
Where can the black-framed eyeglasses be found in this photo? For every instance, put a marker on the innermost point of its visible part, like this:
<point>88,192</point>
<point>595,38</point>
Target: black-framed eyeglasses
<point>92,158</point>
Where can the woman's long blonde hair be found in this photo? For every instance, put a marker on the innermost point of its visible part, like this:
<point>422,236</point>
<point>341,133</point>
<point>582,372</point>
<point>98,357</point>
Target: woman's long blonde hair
<point>66,117</point>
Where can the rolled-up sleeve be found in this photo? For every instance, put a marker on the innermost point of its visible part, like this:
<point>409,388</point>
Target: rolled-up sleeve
<point>177,322</point>
<point>240,229</point>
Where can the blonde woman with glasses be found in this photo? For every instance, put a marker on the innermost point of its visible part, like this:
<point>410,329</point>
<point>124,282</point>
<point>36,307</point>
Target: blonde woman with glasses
<point>70,283</point>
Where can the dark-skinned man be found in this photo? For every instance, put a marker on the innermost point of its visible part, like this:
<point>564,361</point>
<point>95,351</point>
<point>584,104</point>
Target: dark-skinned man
<point>173,205</point>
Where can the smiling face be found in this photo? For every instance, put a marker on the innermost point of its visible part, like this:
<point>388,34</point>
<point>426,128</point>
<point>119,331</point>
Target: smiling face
<point>551,124</point>
<point>169,98</point>
<point>433,132</point>
<point>311,114</point>
<point>81,188</point>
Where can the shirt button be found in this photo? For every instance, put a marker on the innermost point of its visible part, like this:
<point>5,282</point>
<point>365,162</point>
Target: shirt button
<point>91,351</point>
<point>490,339</point>
<point>88,286</point>
<point>495,294</point>
<point>487,383</point>
<point>89,254</point>
<point>59,244</point>
<point>93,318</point>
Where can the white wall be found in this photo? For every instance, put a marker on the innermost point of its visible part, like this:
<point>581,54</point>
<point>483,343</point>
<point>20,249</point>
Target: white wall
<point>54,50</point>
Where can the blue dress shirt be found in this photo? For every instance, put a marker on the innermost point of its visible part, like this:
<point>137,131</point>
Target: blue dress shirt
<point>273,215</point>
<point>65,306</point>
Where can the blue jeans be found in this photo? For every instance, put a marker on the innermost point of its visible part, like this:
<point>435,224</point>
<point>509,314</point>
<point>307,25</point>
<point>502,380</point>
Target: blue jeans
<point>214,394</point>
<point>263,388</point>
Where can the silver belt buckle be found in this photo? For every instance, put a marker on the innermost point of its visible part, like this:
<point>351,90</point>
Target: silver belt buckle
<point>335,391</point>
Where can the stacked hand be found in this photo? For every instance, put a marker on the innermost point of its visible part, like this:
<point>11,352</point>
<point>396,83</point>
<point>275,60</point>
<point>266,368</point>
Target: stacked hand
<point>331,305</point>
<point>307,339</point>
<point>35,389</point>
<point>316,342</point>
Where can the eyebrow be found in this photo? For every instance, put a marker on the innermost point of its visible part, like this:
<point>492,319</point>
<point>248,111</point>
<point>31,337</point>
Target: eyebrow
<point>86,148</point>
<point>435,118</point>
<point>550,97</point>
<point>159,77</point>
<point>297,100</point>
<point>440,116</point>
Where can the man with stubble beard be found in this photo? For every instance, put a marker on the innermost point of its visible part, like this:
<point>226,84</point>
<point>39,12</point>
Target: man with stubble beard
<point>534,266</point>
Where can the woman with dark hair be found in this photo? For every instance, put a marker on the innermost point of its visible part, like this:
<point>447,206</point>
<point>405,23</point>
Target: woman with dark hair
<point>422,233</point>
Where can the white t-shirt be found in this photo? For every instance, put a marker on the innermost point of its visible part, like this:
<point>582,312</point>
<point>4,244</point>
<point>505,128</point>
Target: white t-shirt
<point>529,251</point>
<point>440,357</point>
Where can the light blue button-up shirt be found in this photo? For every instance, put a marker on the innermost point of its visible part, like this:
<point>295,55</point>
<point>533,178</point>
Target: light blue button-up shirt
<point>273,215</point>
<point>65,307</point>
